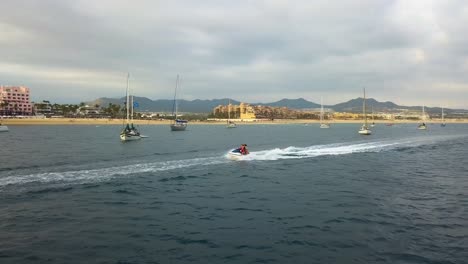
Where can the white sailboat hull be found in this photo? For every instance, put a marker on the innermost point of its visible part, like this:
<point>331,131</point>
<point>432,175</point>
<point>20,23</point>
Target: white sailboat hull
<point>422,127</point>
<point>4,129</point>
<point>231,125</point>
<point>364,131</point>
<point>128,137</point>
<point>178,127</point>
<point>324,126</point>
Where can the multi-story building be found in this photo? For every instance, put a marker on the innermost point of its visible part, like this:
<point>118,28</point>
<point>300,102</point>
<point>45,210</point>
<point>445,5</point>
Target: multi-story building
<point>14,100</point>
<point>43,108</point>
<point>242,111</point>
<point>246,111</point>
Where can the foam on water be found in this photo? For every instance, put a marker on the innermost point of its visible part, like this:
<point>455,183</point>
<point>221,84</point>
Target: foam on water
<point>341,148</point>
<point>102,174</point>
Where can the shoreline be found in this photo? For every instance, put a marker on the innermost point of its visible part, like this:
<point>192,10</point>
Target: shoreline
<point>92,121</point>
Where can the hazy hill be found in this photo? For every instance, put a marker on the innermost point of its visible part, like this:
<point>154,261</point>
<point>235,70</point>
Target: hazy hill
<point>300,103</point>
<point>206,106</point>
<point>355,105</point>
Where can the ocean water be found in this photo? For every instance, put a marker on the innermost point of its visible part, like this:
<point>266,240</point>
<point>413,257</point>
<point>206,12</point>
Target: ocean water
<point>76,194</point>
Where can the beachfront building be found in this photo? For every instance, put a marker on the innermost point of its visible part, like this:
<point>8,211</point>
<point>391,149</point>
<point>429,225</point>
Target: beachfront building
<point>88,110</point>
<point>246,111</point>
<point>43,108</point>
<point>222,111</point>
<point>251,112</point>
<point>242,111</point>
<point>14,100</point>
<point>347,116</point>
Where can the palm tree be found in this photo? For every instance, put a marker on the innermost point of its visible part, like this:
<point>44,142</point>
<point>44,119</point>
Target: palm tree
<point>3,106</point>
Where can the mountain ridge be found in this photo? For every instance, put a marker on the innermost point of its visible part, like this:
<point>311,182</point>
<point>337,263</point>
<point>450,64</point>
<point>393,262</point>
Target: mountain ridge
<point>207,105</point>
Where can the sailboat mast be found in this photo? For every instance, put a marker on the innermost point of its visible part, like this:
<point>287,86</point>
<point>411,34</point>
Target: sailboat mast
<point>423,114</point>
<point>321,110</point>
<point>131,114</point>
<point>127,97</point>
<point>174,107</point>
<point>229,110</point>
<point>442,114</point>
<point>364,107</point>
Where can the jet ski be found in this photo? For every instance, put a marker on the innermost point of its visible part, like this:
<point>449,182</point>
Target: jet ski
<point>236,154</point>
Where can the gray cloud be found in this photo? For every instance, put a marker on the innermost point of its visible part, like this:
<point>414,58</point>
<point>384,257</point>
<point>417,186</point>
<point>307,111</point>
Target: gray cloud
<point>411,52</point>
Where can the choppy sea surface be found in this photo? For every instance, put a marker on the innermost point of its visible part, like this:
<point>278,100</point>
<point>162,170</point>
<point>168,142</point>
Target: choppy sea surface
<point>76,194</point>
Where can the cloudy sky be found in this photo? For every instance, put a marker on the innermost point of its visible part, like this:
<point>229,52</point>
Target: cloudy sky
<point>411,52</point>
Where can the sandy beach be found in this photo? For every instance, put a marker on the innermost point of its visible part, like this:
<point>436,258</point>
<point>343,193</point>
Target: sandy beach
<point>91,121</point>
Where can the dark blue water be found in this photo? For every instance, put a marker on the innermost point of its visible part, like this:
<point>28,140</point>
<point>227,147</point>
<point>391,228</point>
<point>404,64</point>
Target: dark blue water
<point>76,194</point>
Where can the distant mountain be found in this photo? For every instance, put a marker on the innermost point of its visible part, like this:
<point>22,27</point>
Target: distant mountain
<point>300,103</point>
<point>355,105</point>
<point>206,106</point>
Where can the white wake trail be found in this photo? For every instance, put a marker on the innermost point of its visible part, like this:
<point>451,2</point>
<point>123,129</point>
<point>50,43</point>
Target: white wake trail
<point>341,148</point>
<point>103,174</point>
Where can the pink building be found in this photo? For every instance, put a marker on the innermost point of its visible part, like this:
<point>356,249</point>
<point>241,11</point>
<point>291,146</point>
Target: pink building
<point>15,100</point>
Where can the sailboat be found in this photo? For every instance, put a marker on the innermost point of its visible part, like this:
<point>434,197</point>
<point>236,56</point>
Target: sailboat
<point>373,123</point>
<point>129,132</point>
<point>178,125</point>
<point>230,124</point>
<point>392,120</point>
<point>322,124</point>
<point>443,119</point>
<point>423,126</point>
<point>364,128</point>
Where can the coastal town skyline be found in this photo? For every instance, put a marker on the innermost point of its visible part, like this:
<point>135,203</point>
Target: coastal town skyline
<point>407,52</point>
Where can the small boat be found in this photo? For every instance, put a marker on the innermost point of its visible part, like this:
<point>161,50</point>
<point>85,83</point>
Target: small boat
<point>373,123</point>
<point>178,125</point>
<point>129,132</point>
<point>392,121</point>
<point>364,128</point>
<point>230,124</point>
<point>322,124</point>
<point>423,126</point>
<point>443,120</point>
